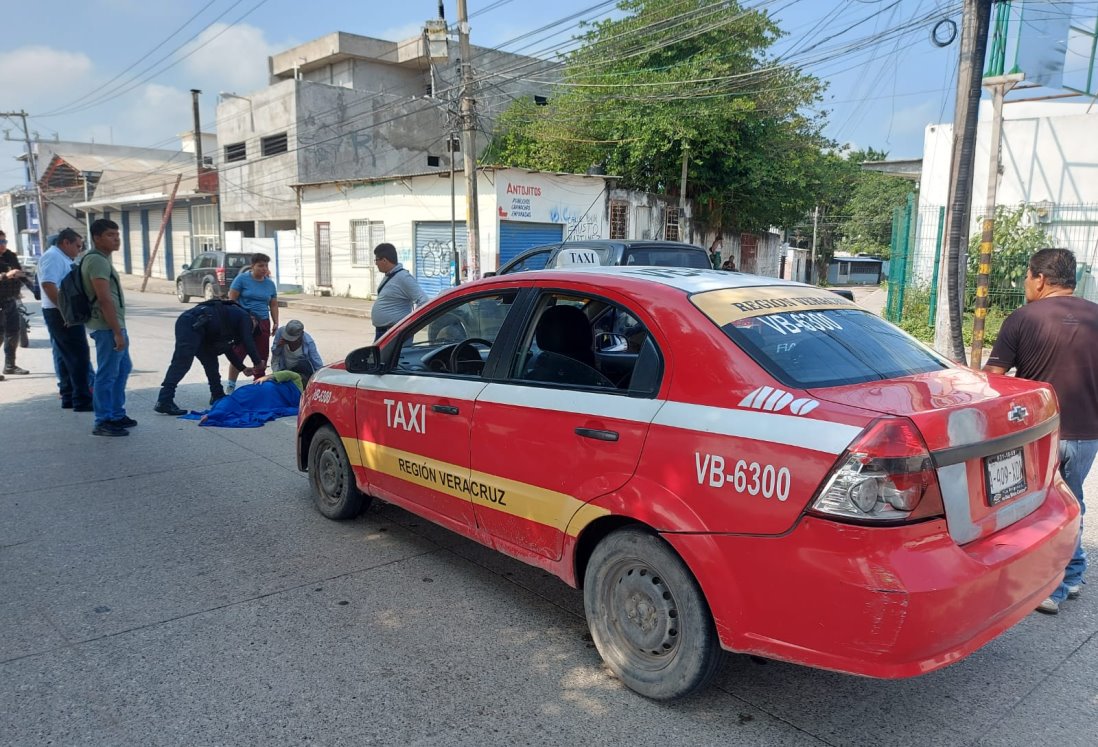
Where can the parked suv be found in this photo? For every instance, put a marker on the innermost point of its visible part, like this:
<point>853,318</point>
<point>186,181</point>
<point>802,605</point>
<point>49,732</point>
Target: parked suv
<point>210,275</point>
<point>608,252</point>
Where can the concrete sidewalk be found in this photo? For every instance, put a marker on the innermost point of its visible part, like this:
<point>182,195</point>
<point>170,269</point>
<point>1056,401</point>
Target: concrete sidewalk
<point>353,307</point>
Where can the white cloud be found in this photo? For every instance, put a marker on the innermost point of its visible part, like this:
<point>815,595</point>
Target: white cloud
<point>399,33</point>
<point>230,58</point>
<point>32,76</point>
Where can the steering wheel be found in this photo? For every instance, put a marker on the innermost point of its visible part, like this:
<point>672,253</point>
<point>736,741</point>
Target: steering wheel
<point>471,354</point>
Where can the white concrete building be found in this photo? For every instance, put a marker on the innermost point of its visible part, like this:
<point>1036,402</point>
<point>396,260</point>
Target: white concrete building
<point>1049,161</point>
<point>346,106</point>
<point>341,222</point>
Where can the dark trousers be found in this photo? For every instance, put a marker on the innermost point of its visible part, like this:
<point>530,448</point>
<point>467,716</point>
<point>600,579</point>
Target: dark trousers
<point>71,357</point>
<point>379,331</point>
<point>188,346</point>
<point>9,329</point>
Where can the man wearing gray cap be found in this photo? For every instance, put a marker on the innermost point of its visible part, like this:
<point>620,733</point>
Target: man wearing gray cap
<point>293,349</point>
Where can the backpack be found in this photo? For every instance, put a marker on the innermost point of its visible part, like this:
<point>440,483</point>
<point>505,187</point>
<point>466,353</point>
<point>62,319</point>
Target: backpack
<point>72,299</point>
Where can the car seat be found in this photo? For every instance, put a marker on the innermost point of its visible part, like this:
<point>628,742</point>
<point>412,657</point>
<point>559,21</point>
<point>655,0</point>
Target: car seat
<point>566,350</point>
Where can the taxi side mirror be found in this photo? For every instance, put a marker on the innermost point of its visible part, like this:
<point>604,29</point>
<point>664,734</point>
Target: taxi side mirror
<point>489,274</point>
<point>365,360</point>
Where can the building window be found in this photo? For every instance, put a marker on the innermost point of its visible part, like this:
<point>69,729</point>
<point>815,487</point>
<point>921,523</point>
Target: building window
<point>365,235</point>
<point>619,220</point>
<point>671,224</point>
<point>205,229</point>
<point>236,152</point>
<point>274,144</point>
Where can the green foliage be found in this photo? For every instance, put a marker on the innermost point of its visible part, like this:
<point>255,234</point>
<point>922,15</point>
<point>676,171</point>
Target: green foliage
<point>916,319</point>
<point>1014,243</point>
<point>670,75</point>
<point>868,226</point>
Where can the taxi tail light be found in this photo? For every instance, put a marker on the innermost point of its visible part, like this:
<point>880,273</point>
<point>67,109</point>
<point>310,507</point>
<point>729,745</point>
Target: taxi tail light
<point>885,476</point>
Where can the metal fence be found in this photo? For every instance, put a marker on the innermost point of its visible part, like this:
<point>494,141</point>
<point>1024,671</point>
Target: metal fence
<point>918,243</point>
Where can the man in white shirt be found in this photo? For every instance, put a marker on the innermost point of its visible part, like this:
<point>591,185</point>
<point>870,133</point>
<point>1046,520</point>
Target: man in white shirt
<point>71,358</point>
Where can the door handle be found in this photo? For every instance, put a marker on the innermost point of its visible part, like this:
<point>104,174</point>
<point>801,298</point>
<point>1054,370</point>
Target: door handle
<point>445,409</point>
<point>597,434</point>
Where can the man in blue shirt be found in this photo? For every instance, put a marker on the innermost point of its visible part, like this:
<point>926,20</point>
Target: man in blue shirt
<point>398,293</point>
<point>71,356</point>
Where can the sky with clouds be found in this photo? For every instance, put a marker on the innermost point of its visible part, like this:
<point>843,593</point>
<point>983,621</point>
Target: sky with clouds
<point>121,70</point>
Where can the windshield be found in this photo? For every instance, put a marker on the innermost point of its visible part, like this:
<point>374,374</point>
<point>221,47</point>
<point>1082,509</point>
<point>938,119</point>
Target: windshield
<point>667,257</point>
<point>807,337</point>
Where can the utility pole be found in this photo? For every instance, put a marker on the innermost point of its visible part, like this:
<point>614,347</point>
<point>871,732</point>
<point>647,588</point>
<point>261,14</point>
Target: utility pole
<point>453,212</point>
<point>87,215</point>
<point>33,166</point>
<point>815,226</point>
<point>163,225</point>
<point>999,85</point>
<point>948,336</point>
<point>197,130</point>
<point>468,145</point>
<point>682,182</point>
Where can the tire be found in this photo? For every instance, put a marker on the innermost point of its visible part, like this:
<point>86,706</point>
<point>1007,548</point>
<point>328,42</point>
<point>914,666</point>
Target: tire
<point>648,617</point>
<point>183,297</point>
<point>208,292</point>
<point>334,490</point>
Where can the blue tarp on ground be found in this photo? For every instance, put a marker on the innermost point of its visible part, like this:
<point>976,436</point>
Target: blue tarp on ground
<point>251,406</point>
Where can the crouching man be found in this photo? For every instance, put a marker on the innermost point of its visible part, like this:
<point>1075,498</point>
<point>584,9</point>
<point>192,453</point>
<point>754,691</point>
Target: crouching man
<point>208,330</point>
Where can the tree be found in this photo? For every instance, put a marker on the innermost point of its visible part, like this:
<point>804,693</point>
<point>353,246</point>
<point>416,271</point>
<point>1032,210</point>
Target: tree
<point>868,224</point>
<point>675,75</point>
<point>1014,243</point>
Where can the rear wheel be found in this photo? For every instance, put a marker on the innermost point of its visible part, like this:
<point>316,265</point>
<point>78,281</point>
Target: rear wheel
<point>180,293</point>
<point>648,617</point>
<point>334,491</point>
<point>208,292</point>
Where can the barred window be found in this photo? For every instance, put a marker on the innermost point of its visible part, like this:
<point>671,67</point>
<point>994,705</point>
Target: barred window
<point>365,235</point>
<point>619,220</point>
<point>236,152</point>
<point>671,224</point>
<point>274,144</point>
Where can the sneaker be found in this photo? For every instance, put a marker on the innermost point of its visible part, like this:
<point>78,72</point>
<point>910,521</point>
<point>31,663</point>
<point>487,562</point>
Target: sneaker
<point>1,378</point>
<point>124,422</point>
<point>66,405</point>
<point>1074,591</point>
<point>13,370</point>
<point>169,408</point>
<point>215,397</point>
<point>109,429</point>
<point>229,387</point>
<point>83,408</point>
<point>1049,607</point>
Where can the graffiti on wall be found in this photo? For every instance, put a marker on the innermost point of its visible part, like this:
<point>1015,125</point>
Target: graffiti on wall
<point>577,226</point>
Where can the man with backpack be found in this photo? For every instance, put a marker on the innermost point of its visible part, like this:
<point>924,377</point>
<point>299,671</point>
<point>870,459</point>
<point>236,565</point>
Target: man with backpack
<point>204,332</point>
<point>71,357</point>
<point>108,330</point>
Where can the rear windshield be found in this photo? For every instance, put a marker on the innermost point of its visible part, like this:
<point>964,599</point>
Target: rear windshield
<point>236,261</point>
<point>667,257</point>
<point>807,337</point>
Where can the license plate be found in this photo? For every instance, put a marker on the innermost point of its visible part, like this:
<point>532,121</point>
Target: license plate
<point>1005,476</point>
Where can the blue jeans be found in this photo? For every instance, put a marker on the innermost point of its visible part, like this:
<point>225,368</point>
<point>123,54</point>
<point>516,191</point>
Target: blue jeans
<point>1076,458</point>
<point>112,369</point>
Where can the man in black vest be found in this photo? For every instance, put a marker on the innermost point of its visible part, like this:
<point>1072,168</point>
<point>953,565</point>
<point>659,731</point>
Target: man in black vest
<point>208,330</point>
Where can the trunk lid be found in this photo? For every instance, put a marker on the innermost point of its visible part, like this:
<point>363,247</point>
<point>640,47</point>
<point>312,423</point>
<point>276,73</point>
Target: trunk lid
<point>994,440</point>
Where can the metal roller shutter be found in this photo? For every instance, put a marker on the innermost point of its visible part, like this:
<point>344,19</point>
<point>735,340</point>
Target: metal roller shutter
<point>434,255</point>
<point>182,252</point>
<point>515,237</point>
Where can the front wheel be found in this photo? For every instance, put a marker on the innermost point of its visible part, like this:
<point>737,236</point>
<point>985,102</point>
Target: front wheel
<point>180,294</point>
<point>334,490</point>
<point>648,617</point>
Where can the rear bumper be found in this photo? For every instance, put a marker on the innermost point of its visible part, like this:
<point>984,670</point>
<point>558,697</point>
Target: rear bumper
<point>882,602</point>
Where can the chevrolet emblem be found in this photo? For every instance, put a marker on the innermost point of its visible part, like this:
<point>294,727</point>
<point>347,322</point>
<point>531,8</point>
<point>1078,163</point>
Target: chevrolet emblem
<point>1017,414</point>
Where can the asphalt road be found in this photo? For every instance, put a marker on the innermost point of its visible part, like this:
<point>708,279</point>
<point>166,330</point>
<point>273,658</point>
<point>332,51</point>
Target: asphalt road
<point>177,587</point>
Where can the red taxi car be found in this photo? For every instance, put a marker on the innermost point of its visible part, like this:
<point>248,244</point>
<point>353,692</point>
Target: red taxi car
<point>720,461</point>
